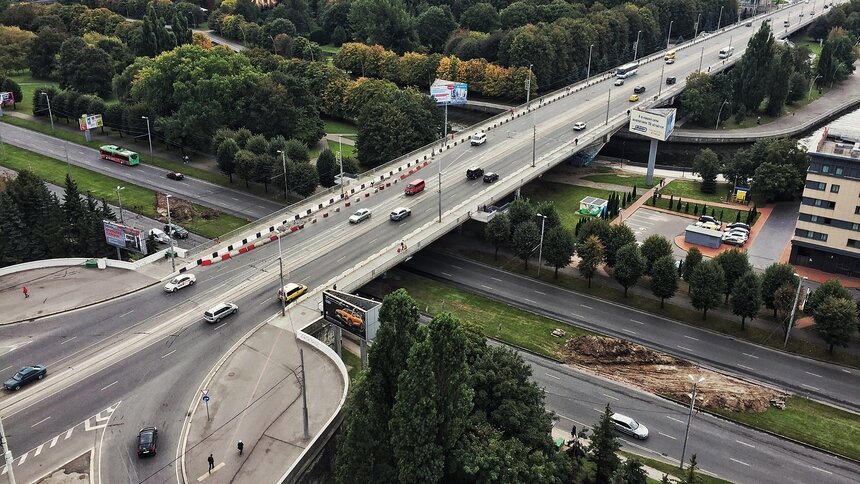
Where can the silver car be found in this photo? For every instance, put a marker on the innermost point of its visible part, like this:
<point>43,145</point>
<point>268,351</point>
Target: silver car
<point>627,425</point>
<point>180,281</point>
<point>359,216</point>
<point>399,214</point>
<point>220,312</point>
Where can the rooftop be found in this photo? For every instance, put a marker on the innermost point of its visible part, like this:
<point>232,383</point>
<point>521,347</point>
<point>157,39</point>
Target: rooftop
<point>841,141</point>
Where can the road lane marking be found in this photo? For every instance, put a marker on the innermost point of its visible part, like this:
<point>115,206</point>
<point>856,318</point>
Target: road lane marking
<point>813,374</point>
<point>529,300</point>
<point>628,331</point>
<point>586,307</point>
<point>692,338</point>
<point>739,462</point>
<point>374,240</point>
<point>209,473</point>
<point>4,369</point>
<point>342,258</point>
<point>673,418</point>
<point>54,441</point>
<point>552,376</point>
<point>40,421</point>
<point>265,301</point>
<point>446,274</point>
<point>38,450</point>
<point>486,287</point>
<point>126,314</point>
<point>609,396</point>
<point>746,444</point>
<point>578,316</point>
<point>457,267</point>
<point>168,354</point>
<point>637,322</point>
<point>669,436</point>
<point>541,293</point>
<point>746,367</point>
<point>751,356</point>
<point>810,387</point>
<point>66,341</point>
<point>68,433</point>
<point>846,371</point>
<point>219,326</point>
<point>822,470</point>
<point>684,348</point>
<point>108,386</point>
<point>496,279</point>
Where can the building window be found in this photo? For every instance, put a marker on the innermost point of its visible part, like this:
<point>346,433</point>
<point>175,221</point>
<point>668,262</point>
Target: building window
<point>856,210</point>
<point>822,237</point>
<point>825,168</point>
<point>817,185</point>
<point>810,235</point>
<point>854,243</point>
<point>838,170</point>
<point>813,218</point>
<point>834,188</point>
<point>855,227</point>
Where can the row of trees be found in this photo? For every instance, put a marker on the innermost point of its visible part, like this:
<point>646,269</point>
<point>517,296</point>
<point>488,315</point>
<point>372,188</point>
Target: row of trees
<point>437,404</point>
<point>36,225</point>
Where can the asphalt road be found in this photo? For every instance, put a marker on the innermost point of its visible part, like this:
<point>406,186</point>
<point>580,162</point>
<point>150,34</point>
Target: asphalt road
<point>227,200</point>
<point>822,381</point>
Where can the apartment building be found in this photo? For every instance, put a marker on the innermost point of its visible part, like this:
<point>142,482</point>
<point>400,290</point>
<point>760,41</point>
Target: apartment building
<point>827,235</point>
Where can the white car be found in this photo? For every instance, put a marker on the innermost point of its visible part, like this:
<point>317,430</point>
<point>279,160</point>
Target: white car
<point>734,239</point>
<point>578,126</point>
<point>627,425</point>
<point>708,225</point>
<point>399,214</point>
<point>619,82</point>
<point>180,281</point>
<point>159,236</point>
<point>359,216</point>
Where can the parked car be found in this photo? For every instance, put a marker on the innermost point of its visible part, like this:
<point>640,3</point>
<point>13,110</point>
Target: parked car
<point>738,230</point>
<point>399,214</point>
<point>25,375</point>
<point>147,441</point>
<point>491,177</point>
<point>670,61</point>
<point>738,225</point>
<point>293,291</point>
<point>619,82</point>
<point>578,126</point>
<point>639,89</point>
<point>474,173</point>
<point>182,280</point>
<point>359,216</point>
<point>159,236</point>
<point>748,24</point>
<point>627,425</point>
<point>175,175</point>
<point>633,98</point>
<point>708,218</point>
<point>708,225</point>
<point>175,231</point>
<point>734,239</point>
<point>220,312</point>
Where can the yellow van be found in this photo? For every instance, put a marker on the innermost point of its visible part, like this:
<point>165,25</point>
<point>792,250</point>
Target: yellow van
<point>670,55</point>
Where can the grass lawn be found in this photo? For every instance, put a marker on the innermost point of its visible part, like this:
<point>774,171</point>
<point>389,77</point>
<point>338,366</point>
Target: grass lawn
<point>494,319</point>
<point>565,197</point>
<point>28,87</point>
<point>672,469</point>
<point>624,180</point>
<point>349,151</point>
<point>729,215</point>
<point>134,198</point>
<point>807,421</point>
<point>352,362</point>
<point>691,190</point>
<point>330,49</point>
<point>336,126</point>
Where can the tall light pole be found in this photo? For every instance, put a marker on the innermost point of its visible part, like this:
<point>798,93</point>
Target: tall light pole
<point>636,47</point>
<point>720,114</point>
<point>534,121</point>
<point>793,308</point>
<point>669,37</point>
<point>286,188</point>
<point>281,267</point>
<point>660,90</point>
<point>588,72</point>
<point>540,247</point>
<point>170,235</point>
<point>119,198</point>
<point>608,99</point>
<point>148,134</point>
<point>696,32</point>
<point>7,454</point>
<point>720,19</point>
<point>340,161</point>
<point>696,382</point>
<point>50,113</point>
<point>812,85</point>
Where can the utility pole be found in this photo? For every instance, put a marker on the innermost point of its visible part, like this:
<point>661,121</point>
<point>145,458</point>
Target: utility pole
<point>170,235</point>
<point>7,454</point>
<point>690,415</point>
<point>540,247</point>
<point>608,99</point>
<point>286,188</point>
<point>304,395</point>
<point>702,58</point>
<point>793,309</point>
<point>148,134</point>
<point>281,267</point>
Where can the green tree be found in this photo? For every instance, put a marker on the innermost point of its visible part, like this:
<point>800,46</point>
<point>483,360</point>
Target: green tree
<point>14,243</point>
<point>521,211</point>
<point>327,168</point>
<point>603,448</point>
<point>707,285</point>
<point>155,38</point>
<point>753,67</point>
<point>655,247</point>
<point>746,297</point>
<point>630,266</point>
<point>263,171</point>
<point>225,156</point>
<point>830,288</point>
<point>774,276</point>
<point>780,81</point>
<point>525,240</point>
<point>548,210</point>
<point>693,259</point>
<point>245,165</point>
<point>699,98</point>
<point>707,165</point>
<point>691,477</point>
<point>735,264</point>
<point>590,254</point>
<point>498,232</point>
<point>558,248</point>
<point>619,235</point>
<point>630,472</point>
<point>384,22</point>
<point>16,42</point>
<point>835,321</point>
<point>777,182</point>
<point>664,278</point>
<point>434,25</point>
<point>594,226</point>
<point>44,51</point>
<point>305,180</point>
<point>481,17</point>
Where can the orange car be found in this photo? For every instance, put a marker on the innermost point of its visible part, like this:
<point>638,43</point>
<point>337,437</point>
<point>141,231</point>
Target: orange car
<point>349,317</point>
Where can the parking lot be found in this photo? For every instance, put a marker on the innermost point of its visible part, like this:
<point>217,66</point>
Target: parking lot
<point>645,222</point>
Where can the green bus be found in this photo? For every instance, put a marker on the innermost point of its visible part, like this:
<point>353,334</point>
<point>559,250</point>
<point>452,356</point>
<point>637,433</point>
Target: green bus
<point>118,155</point>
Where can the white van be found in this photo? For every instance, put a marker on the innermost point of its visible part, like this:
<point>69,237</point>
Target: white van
<point>478,139</point>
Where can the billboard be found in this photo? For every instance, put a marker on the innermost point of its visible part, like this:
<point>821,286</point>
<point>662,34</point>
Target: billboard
<point>124,237</point>
<point>352,313</point>
<point>7,98</point>
<point>90,121</point>
<point>653,123</point>
<point>449,92</point>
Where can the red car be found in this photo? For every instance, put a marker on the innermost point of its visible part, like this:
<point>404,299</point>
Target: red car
<point>175,175</point>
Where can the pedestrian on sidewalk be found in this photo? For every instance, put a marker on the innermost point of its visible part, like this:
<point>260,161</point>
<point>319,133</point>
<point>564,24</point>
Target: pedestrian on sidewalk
<point>26,292</point>
<point>211,463</point>
<point>241,447</point>
<point>573,431</point>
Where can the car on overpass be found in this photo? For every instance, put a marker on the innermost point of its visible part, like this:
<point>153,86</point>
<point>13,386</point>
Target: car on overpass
<point>399,214</point>
<point>633,98</point>
<point>219,312</point>
<point>474,173</point>
<point>579,126</point>
<point>491,177</point>
<point>25,375</point>
<point>293,291</point>
<point>175,175</point>
<point>619,82</point>
<point>359,216</point>
<point>180,281</point>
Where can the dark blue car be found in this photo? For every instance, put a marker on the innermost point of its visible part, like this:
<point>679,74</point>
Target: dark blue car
<point>24,376</point>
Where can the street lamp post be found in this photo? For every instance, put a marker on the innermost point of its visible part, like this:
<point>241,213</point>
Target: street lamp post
<point>119,198</point>
<point>696,32</point>
<point>696,382</point>
<point>720,113</point>
<point>588,72</point>
<point>636,47</point>
<point>7,454</point>
<point>50,113</point>
<point>148,134</point>
<point>812,85</point>
<point>720,19</point>
<point>608,100</point>
<point>170,235</point>
<point>702,58</point>
<point>534,121</point>
<point>793,308</point>
<point>340,161</point>
<point>669,37</point>
<point>286,188</point>
<point>660,90</point>
<point>281,268</point>
<point>540,247</point>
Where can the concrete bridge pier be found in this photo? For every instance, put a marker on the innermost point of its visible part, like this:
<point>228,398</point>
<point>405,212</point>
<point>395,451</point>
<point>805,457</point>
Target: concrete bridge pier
<point>652,160</point>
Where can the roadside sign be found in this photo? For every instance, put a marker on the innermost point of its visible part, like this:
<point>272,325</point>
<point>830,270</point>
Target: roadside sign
<point>205,398</point>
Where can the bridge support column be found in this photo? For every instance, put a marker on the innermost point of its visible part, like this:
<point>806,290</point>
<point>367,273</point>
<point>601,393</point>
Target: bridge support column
<point>652,160</point>
<point>363,353</point>
<point>338,340</point>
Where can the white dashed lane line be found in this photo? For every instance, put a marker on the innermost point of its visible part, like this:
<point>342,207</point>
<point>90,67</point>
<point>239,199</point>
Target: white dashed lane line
<point>167,354</point>
<point>552,376</point>
<point>810,387</point>
<point>486,287</point>
<point>541,293</point>
<point>108,386</point>
<point>751,356</point>
<point>746,367</point>
<point>609,396</point>
<point>445,274</point>
<point>813,374</point>
<point>684,348</point>
<point>669,436</point>
<point>739,462</point>
<point>676,420</point>
<point>628,331</point>
<point>530,301</point>
<point>746,444</point>
<point>67,340</point>
<point>40,421</point>
<point>637,322</point>
<point>586,307</point>
<point>692,338</point>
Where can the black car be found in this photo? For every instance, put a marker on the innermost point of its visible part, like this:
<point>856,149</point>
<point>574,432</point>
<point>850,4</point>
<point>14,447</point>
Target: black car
<point>491,177</point>
<point>147,441</point>
<point>175,231</point>
<point>639,89</point>
<point>671,80</point>
<point>474,173</point>
<point>24,376</point>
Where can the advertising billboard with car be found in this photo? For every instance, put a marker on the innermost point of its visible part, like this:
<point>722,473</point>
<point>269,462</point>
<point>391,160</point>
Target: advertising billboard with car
<point>358,315</point>
<point>449,92</point>
<point>653,123</point>
<point>124,237</point>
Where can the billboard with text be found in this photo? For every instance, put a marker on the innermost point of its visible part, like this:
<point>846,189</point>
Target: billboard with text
<point>90,121</point>
<point>653,123</point>
<point>449,92</point>
<point>124,237</point>
<point>358,315</point>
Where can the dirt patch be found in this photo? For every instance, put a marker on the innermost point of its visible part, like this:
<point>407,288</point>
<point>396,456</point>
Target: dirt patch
<point>180,210</point>
<point>665,375</point>
<point>75,471</point>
